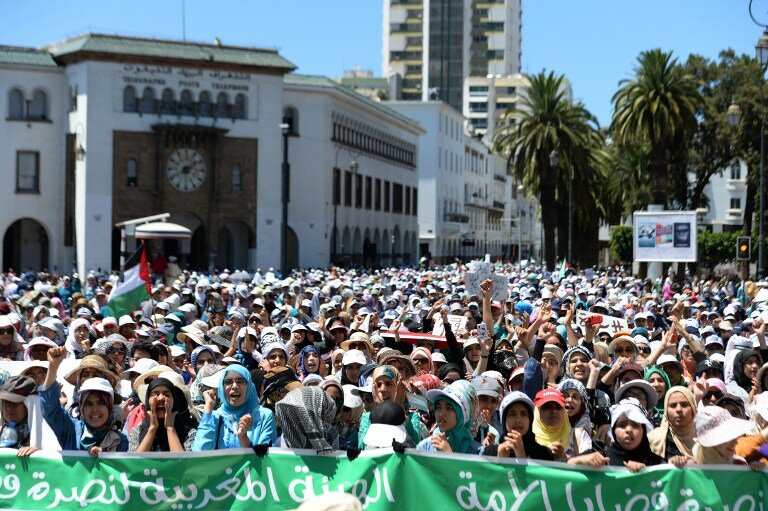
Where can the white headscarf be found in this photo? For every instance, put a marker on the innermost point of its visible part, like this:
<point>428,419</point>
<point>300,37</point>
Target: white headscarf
<point>72,344</point>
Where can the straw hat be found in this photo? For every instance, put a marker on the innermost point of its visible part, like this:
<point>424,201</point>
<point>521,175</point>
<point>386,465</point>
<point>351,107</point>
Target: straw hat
<point>192,335</point>
<point>358,337</point>
<point>143,379</point>
<point>715,426</point>
<point>92,362</point>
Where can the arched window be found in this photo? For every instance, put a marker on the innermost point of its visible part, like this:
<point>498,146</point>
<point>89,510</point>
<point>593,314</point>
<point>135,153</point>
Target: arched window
<point>237,178</point>
<point>148,105</point>
<point>222,105</point>
<point>129,99</point>
<point>204,104</point>
<point>291,118</point>
<point>16,104</point>
<point>166,102</point>
<point>241,108</point>
<point>132,173</point>
<point>39,107</point>
<point>185,103</point>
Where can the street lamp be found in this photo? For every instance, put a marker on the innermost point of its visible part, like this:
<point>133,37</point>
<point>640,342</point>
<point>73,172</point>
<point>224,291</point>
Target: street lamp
<point>285,196</point>
<point>353,166</point>
<point>761,53</point>
<point>392,248</point>
<point>734,115</point>
<point>554,160</point>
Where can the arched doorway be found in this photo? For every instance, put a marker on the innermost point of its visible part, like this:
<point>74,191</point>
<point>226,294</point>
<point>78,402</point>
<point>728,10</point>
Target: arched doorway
<point>192,253</point>
<point>224,249</point>
<point>233,245</point>
<point>346,246</point>
<point>357,250</point>
<point>25,246</point>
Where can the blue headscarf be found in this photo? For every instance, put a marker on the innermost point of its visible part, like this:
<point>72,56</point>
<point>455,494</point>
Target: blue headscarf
<point>196,353</point>
<point>302,356</point>
<point>234,413</point>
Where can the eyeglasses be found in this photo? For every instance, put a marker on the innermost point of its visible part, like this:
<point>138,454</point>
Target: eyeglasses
<point>573,397</point>
<point>6,331</point>
<point>228,382</point>
<point>621,350</point>
<point>420,361</point>
<point>357,346</point>
<point>645,351</point>
<point>115,349</point>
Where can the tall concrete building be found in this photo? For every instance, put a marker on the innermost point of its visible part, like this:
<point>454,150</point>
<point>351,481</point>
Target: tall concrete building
<point>434,45</point>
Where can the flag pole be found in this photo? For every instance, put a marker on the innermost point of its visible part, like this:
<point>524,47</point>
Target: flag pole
<point>151,299</point>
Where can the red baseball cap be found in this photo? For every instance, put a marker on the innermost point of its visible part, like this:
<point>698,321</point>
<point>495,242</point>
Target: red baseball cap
<point>549,396</point>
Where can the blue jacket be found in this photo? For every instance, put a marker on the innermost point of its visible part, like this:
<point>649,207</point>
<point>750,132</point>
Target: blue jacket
<point>214,432</point>
<point>68,429</point>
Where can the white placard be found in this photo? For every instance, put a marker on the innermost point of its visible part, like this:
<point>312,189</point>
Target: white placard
<point>457,322</point>
<point>668,236</point>
<point>476,274</point>
<point>609,323</point>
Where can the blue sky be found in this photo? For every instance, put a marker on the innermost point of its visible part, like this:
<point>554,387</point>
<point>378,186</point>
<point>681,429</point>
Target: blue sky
<point>593,42</point>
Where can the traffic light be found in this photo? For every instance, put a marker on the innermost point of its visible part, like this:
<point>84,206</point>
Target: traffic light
<point>743,248</point>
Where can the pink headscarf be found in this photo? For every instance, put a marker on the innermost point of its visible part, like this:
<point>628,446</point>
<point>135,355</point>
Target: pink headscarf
<point>425,352</point>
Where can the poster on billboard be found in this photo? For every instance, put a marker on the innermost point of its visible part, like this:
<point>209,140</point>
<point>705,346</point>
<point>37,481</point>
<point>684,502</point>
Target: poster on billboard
<point>667,236</point>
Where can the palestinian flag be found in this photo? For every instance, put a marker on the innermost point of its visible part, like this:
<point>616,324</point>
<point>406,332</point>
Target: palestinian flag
<point>134,287</point>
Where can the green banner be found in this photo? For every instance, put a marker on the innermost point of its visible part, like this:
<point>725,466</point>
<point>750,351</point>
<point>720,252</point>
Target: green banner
<point>284,479</point>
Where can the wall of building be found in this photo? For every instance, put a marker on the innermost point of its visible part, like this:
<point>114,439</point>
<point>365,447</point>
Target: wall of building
<point>45,207</point>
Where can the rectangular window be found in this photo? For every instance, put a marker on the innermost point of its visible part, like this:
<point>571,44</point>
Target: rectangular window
<point>27,171</point>
<point>377,194</point>
<point>386,195</point>
<point>415,208</point>
<point>735,203</point>
<point>348,189</point>
<point>368,192</point>
<point>735,171</point>
<point>358,191</point>
<point>407,200</point>
<point>336,187</point>
<point>397,198</point>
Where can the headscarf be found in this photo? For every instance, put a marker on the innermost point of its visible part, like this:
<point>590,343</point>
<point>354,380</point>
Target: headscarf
<point>631,408</point>
<point>532,448</point>
<point>684,438</point>
<point>738,369</point>
<point>339,401</point>
<point>567,357</point>
<point>302,364</point>
<point>306,416</point>
<point>385,371</point>
<point>196,353</point>
<point>196,388</point>
<point>661,403</point>
<point>183,422</point>
<point>471,391</point>
<point>41,435</point>
<point>74,348</point>
<point>251,403</point>
<point>425,352</point>
<point>581,419</point>
<point>107,437</point>
<point>546,436</point>
<point>460,436</point>
<point>448,368</point>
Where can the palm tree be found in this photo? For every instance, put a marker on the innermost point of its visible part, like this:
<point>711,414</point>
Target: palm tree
<point>544,121</point>
<point>657,107</point>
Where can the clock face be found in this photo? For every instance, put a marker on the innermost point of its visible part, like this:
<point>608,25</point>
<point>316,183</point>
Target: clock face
<point>186,169</point>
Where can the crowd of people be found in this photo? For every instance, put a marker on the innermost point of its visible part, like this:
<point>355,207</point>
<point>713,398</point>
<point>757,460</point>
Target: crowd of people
<point>598,369</point>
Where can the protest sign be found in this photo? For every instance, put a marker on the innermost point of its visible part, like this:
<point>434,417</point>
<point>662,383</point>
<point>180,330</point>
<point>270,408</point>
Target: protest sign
<point>283,479</point>
<point>457,322</point>
<point>609,323</point>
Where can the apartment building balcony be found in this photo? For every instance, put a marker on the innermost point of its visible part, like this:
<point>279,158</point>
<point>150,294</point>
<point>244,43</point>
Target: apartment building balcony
<point>500,177</point>
<point>736,185</point>
<point>476,201</point>
<point>498,205</point>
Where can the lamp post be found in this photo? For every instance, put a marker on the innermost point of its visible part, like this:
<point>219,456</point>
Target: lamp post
<point>761,52</point>
<point>392,248</point>
<point>353,166</point>
<point>286,129</point>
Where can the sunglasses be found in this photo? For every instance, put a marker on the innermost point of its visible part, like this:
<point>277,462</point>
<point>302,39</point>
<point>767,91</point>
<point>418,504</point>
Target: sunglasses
<point>420,361</point>
<point>6,331</point>
<point>112,350</point>
<point>357,346</point>
<point>645,351</point>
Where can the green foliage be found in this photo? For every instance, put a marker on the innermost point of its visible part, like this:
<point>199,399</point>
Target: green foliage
<point>657,107</point>
<point>716,247</point>
<point>545,121</point>
<point>620,244</point>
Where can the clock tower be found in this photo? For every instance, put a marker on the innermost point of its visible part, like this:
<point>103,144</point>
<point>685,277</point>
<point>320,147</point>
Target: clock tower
<point>203,177</point>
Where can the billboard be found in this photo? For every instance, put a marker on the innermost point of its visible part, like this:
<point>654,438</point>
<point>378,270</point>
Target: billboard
<point>668,236</point>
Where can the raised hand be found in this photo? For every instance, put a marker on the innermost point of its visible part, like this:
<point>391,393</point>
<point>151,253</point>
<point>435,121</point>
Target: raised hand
<point>210,400</point>
<point>244,426</point>
<point>440,442</point>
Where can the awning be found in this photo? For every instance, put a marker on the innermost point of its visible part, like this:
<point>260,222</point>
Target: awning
<point>162,231</point>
